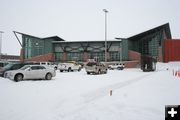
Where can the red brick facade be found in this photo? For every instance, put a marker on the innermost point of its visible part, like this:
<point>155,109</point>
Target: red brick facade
<point>134,55</point>
<point>171,50</point>
<point>42,58</point>
<point>160,55</point>
<point>132,64</point>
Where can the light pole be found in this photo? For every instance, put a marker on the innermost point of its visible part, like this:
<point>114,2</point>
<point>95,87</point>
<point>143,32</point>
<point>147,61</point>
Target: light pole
<point>105,54</point>
<point>1,32</point>
<point>120,49</point>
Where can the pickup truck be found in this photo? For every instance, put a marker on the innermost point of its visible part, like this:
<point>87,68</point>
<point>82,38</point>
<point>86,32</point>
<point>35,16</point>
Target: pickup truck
<point>118,66</point>
<point>69,67</point>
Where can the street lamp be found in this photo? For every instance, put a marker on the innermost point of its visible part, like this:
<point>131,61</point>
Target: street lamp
<point>1,32</point>
<point>105,11</point>
<point>120,49</point>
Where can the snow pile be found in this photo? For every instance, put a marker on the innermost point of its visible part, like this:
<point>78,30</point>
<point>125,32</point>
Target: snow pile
<point>78,96</point>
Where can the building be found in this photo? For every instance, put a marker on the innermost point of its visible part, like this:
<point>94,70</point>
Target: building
<point>9,57</point>
<point>171,50</point>
<point>57,49</point>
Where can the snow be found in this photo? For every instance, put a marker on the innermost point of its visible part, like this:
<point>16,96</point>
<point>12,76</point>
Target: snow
<point>78,96</point>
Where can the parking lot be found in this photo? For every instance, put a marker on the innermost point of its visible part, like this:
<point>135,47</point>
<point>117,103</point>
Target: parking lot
<point>76,95</point>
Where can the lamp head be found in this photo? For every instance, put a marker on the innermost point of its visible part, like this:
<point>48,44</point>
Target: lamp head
<point>105,10</point>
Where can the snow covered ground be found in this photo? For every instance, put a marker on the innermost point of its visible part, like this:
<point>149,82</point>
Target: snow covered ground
<point>136,95</point>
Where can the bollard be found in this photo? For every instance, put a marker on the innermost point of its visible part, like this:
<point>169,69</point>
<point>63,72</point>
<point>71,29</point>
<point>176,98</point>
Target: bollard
<point>110,93</point>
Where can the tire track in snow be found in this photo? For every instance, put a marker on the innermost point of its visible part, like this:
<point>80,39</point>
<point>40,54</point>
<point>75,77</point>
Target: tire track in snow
<point>79,103</point>
<point>101,92</point>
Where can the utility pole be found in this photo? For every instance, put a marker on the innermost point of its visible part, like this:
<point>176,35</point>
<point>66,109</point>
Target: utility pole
<point>1,32</point>
<point>105,11</point>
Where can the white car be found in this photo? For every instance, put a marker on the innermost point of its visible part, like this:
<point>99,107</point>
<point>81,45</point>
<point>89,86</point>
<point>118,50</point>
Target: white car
<point>31,72</point>
<point>69,67</point>
<point>118,66</point>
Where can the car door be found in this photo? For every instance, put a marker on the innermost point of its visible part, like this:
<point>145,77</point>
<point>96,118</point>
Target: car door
<point>42,71</point>
<point>33,73</point>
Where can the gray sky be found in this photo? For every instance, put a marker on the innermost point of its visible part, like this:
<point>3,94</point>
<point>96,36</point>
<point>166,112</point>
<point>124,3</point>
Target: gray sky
<point>84,19</point>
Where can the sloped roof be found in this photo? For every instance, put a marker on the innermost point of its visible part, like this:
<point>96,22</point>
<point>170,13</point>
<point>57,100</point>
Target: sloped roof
<point>56,38</point>
<point>166,28</point>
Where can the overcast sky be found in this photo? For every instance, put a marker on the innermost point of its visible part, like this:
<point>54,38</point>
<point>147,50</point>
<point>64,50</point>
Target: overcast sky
<point>84,19</point>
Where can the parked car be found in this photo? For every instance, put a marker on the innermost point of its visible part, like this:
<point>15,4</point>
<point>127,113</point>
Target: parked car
<point>96,68</point>
<point>12,66</point>
<point>69,66</point>
<point>3,63</point>
<point>31,72</point>
<point>118,66</point>
<point>47,64</point>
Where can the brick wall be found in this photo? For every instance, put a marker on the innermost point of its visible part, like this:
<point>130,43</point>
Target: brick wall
<point>160,55</point>
<point>64,57</point>
<point>85,56</point>
<point>134,59</point>
<point>40,58</point>
<point>133,55</point>
<point>21,55</point>
<point>171,50</point>
<point>132,64</point>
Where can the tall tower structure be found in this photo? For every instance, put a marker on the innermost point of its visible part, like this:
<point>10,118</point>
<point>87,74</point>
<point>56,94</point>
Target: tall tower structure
<point>1,32</point>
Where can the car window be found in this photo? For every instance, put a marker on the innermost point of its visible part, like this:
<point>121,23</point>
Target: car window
<point>41,67</point>
<point>8,66</point>
<point>17,66</point>
<point>24,67</point>
<point>34,68</point>
<point>91,63</point>
<point>37,67</point>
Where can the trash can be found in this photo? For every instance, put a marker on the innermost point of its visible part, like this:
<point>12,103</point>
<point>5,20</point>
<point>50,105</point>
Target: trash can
<point>148,63</point>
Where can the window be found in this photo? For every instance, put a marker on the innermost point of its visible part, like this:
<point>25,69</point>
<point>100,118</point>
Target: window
<point>37,67</point>
<point>34,68</point>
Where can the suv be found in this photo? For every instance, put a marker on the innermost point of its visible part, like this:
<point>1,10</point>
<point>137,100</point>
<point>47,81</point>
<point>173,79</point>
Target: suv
<point>71,66</point>
<point>11,66</point>
<point>96,68</point>
<point>118,66</point>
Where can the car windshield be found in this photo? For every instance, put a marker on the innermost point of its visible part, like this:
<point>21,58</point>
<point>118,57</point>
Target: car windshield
<point>8,66</point>
<point>25,67</point>
<point>91,63</point>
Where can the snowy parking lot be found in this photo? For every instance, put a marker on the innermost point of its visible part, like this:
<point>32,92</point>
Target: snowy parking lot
<point>78,96</point>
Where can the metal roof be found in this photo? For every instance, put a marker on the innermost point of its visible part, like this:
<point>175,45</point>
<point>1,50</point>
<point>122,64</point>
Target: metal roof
<point>166,27</point>
<point>56,38</point>
<point>89,41</point>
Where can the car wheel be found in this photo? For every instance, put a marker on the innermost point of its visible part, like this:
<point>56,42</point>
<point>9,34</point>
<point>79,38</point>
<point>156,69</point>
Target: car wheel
<point>61,70</point>
<point>79,69</point>
<point>18,77</point>
<point>55,68</point>
<point>105,71</point>
<point>118,68</point>
<point>48,76</point>
<point>99,72</point>
<point>88,73</point>
<point>69,69</point>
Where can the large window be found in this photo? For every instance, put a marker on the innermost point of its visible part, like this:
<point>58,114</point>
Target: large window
<point>58,56</point>
<point>114,56</point>
<point>74,56</point>
<point>98,56</point>
<point>28,48</point>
